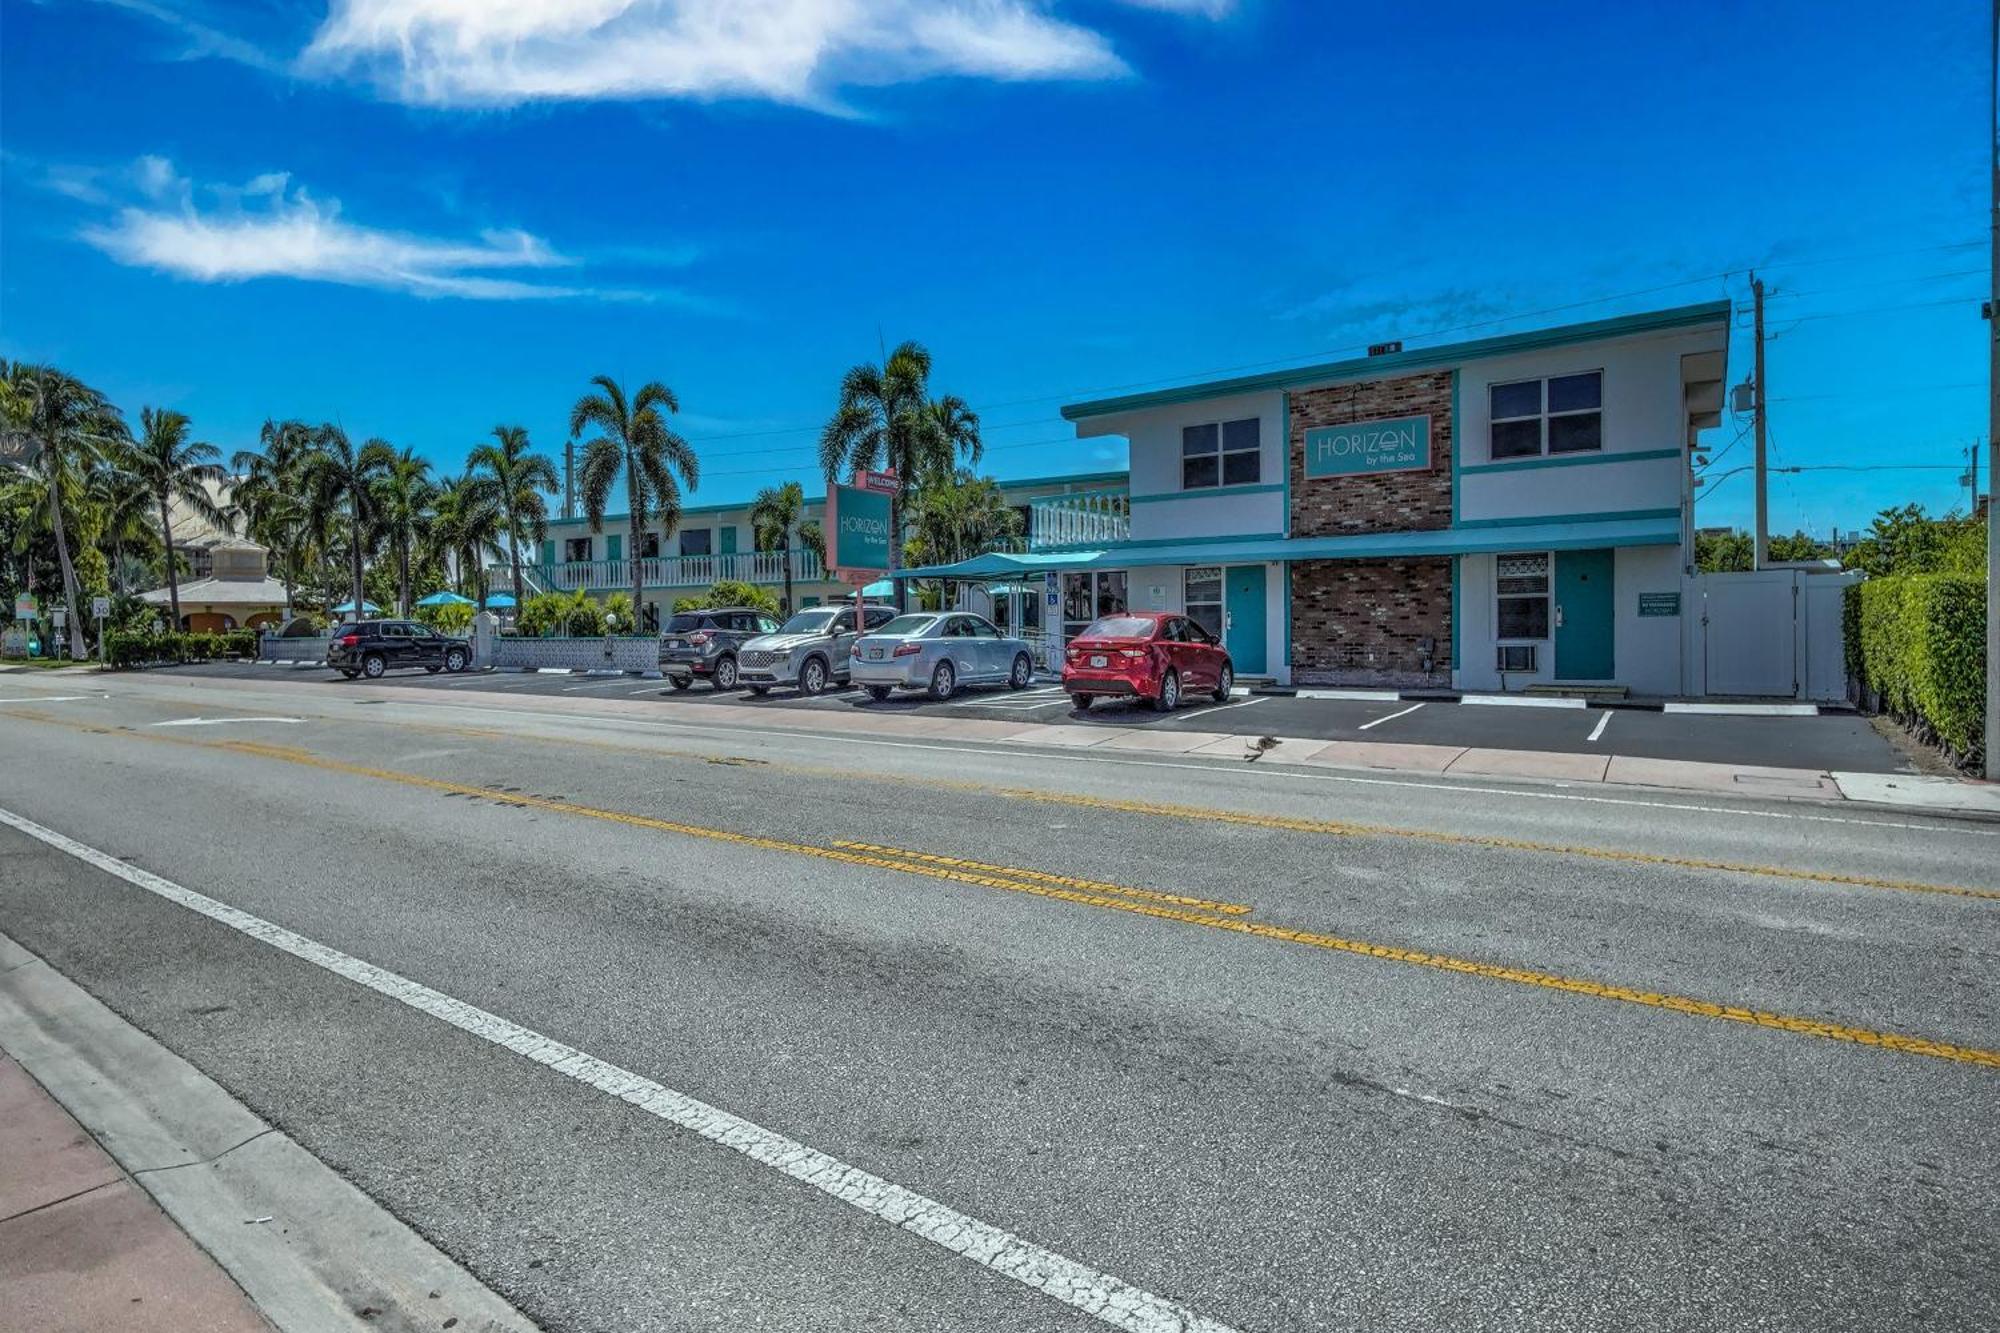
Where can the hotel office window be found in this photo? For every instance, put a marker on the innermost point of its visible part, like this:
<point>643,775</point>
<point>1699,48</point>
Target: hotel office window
<point>1522,582</point>
<point>1563,414</point>
<point>1226,453</point>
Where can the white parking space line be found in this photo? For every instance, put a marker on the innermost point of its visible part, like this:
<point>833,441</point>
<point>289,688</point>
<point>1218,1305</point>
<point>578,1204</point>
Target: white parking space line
<point>1389,718</point>
<point>605,683</point>
<point>1602,723</point>
<point>1212,709</point>
<point>1090,1290</point>
<point>1365,696</point>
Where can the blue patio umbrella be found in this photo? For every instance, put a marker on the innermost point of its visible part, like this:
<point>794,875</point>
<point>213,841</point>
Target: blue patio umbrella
<point>500,601</point>
<point>446,599</point>
<point>368,608</point>
<point>879,588</point>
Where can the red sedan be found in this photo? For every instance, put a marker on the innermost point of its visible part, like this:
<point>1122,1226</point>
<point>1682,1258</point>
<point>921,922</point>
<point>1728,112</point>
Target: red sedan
<point>1159,656</point>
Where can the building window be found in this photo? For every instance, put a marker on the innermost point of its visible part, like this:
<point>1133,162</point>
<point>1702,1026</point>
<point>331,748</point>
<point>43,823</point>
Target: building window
<point>649,545</point>
<point>1088,596</point>
<point>1201,596</point>
<point>1522,584</point>
<point>695,541</point>
<point>1563,414</point>
<point>576,548</point>
<point>1225,453</point>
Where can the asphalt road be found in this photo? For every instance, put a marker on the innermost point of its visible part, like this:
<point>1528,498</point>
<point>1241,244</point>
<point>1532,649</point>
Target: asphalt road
<point>1477,1056</point>
<point>1836,740</point>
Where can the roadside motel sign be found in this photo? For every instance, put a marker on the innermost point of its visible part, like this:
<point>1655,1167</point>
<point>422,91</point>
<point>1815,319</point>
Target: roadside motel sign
<point>858,519</point>
<point>24,606</point>
<point>1396,444</point>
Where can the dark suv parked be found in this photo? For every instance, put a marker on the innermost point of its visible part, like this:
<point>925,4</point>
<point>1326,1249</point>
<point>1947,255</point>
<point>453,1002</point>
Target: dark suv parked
<point>370,647</point>
<point>704,644</point>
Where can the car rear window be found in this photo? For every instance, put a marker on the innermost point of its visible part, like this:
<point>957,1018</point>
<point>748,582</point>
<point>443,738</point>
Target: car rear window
<point>908,626</point>
<point>1119,627</point>
<point>687,621</point>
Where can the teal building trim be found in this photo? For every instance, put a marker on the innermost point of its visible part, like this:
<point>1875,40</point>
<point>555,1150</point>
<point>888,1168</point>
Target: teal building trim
<point>1209,492</point>
<point>1574,460</point>
<point>1532,520</point>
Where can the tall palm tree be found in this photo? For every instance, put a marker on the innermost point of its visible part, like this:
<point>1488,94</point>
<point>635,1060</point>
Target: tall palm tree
<point>636,440</point>
<point>66,426</point>
<point>518,480</point>
<point>958,518</point>
<point>776,516</point>
<point>338,477</point>
<point>886,419</point>
<point>124,508</point>
<point>402,492</point>
<point>465,530</point>
<point>174,468</point>
<point>269,495</point>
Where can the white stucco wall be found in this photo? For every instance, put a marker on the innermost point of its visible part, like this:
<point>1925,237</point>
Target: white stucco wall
<point>1646,649</point>
<point>1160,508</point>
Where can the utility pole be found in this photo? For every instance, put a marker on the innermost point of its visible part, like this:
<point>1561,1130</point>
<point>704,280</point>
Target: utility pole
<point>1993,416</point>
<point>1761,537</point>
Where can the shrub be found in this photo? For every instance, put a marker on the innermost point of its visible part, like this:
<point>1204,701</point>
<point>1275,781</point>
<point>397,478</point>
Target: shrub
<point>561,615</point>
<point>1919,643</point>
<point>450,618</point>
<point>730,592</point>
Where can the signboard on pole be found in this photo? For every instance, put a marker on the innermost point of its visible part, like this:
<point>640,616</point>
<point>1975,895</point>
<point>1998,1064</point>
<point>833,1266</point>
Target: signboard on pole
<point>100,607</point>
<point>24,606</point>
<point>857,530</point>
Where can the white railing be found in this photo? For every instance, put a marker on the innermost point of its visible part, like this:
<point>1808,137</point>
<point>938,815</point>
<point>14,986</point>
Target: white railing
<point>674,571</point>
<point>1084,519</point>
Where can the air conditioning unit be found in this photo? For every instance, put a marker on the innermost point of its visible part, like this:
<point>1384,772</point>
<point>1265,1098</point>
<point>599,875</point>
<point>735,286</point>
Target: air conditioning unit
<point>1517,657</point>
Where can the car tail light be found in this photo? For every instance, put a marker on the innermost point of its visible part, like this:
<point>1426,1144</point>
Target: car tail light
<point>855,649</point>
<point>1132,652</point>
<point>1073,653</point>
<point>907,650</point>
<point>349,640</point>
<point>698,638</point>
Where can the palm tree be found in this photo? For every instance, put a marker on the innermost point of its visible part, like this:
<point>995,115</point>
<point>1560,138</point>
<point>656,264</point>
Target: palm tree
<point>465,530</point>
<point>637,441</point>
<point>125,512</point>
<point>959,518</point>
<point>338,476</point>
<point>66,426</point>
<point>777,518</point>
<point>402,492</point>
<point>518,480</point>
<point>886,419</point>
<point>269,495</point>
<point>174,468</point>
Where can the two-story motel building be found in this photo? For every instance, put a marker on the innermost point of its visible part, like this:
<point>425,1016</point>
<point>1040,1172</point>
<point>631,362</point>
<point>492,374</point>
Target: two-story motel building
<point>1488,515</point>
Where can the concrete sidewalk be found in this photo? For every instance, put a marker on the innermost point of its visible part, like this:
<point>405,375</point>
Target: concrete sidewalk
<point>83,1246</point>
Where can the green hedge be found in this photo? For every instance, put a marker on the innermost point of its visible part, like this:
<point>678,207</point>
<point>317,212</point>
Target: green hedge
<point>130,648</point>
<point>1918,641</point>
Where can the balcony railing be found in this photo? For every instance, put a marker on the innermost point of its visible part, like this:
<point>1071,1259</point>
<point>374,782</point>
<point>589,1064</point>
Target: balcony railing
<point>670,571</point>
<point>1084,519</point>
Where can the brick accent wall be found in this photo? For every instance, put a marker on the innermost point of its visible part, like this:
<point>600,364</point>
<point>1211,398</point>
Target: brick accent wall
<point>1390,501</point>
<point>1362,622</point>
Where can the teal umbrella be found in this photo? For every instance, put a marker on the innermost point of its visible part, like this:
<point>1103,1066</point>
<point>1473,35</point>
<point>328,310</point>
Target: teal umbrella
<point>448,599</point>
<point>879,588</point>
<point>498,599</point>
<point>367,609</point>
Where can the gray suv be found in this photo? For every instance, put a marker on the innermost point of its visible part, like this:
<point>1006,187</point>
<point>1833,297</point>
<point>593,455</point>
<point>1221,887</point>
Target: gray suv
<point>707,644</point>
<point>810,650</point>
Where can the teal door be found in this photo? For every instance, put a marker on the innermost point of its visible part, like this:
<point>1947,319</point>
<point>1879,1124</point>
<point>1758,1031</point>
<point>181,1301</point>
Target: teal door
<point>1583,614</point>
<point>1243,618</point>
<point>729,539</point>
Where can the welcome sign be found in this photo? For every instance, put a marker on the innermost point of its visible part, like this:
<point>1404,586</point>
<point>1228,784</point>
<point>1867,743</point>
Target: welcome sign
<point>1399,444</point>
<point>860,522</point>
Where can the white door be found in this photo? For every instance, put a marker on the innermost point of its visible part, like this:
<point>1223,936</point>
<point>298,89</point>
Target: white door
<point>1749,633</point>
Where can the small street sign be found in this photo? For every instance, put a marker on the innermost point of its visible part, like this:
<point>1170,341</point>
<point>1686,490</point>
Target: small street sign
<point>100,607</point>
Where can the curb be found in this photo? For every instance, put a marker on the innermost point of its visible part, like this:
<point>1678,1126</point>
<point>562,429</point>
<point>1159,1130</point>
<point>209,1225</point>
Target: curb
<point>324,1251</point>
<point>1572,701</point>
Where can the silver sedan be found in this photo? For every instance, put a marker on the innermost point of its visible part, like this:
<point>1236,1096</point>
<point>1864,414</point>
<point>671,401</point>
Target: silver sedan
<point>938,652</point>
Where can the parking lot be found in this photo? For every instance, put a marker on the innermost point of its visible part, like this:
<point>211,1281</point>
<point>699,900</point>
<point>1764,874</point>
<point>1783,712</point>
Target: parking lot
<point>1830,740</point>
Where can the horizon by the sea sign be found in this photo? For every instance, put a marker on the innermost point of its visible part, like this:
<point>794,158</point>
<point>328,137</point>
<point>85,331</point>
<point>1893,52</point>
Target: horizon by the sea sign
<point>1397,444</point>
<point>860,521</point>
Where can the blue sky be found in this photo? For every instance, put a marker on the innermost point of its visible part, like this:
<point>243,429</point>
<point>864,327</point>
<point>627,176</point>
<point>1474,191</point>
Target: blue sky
<point>426,217</point>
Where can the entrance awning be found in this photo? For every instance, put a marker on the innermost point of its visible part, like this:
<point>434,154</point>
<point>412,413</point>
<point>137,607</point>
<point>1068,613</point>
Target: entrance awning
<point>1650,529</point>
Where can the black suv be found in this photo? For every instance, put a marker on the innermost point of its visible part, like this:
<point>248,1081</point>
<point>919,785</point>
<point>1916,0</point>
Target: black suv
<point>704,643</point>
<point>370,647</point>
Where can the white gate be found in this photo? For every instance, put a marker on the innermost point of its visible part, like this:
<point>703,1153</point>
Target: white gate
<point>1772,634</point>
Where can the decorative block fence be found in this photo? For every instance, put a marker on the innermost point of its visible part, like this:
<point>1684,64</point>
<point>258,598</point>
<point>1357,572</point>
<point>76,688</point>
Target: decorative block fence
<point>272,648</point>
<point>639,654</point>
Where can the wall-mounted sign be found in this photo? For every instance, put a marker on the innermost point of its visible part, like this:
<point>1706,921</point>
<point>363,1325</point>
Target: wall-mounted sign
<point>1052,590</point>
<point>1659,603</point>
<point>1399,444</point>
<point>858,520</point>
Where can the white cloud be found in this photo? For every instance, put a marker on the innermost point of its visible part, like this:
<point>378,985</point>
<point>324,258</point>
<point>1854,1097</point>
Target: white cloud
<point>1210,9</point>
<point>505,52</point>
<point>269,229</point>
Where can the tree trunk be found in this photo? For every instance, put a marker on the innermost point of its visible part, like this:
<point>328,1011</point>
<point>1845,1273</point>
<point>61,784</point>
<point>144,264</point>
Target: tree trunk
<point>173,574</point>
<point>514,547</point>
<point>76,651</point>
<point>403,579</point>
<point>354,553</point>
<point>788,572</point>
<point>633,508</point>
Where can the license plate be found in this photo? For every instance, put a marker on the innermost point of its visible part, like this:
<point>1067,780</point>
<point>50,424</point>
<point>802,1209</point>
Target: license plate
<point>674,643</point>
<point>874,654</point>
<point>1097,661</point>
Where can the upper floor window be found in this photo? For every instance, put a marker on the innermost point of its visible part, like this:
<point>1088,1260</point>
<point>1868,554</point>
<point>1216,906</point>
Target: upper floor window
<point>695,541</point>
<point>576,548</point>
<point>649,545</point>
<point>1563,414</point>
<point>1226,453</point>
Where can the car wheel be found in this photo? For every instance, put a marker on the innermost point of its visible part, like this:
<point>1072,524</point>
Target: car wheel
<point>725,674</point>
<point>944,681</point>
<point>1222,684</point>
<point>372,666</point>
<point>349,672</point>
<point>454,660</point>
<point>1082,702</point>
<point>878,692</point>
<point>760,690</point>
<point>812,676</point>
<point>681,682</point>
<point>1024,671</point>
<point>1170,693</point>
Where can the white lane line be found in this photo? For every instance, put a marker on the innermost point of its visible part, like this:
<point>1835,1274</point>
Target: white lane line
<point>1235,703</point>
<point>1602,723</point>
<point>596,684</point>
<point>224,721</point>
<point>1090,1290</point>
<point>49,699</point>
<point>1521,701</point>
<point>1390,718</point>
